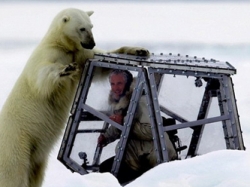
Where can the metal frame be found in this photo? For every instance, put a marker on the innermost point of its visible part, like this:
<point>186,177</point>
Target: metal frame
<point>150,71</point>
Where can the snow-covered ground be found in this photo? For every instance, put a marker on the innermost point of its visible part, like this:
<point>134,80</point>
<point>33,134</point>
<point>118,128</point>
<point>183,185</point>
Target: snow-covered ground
<point>217,30</point>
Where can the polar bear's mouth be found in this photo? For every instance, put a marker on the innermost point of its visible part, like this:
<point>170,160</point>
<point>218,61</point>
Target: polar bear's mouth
<point>88,46</point>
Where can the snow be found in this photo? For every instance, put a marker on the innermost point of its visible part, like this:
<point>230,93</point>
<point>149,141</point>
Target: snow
<point>212,30</point>
<point>206,170</point>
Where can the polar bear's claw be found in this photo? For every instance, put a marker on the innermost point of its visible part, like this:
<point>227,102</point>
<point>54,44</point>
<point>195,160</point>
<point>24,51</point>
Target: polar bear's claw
<point>142,52</point>
<point>69,69</point>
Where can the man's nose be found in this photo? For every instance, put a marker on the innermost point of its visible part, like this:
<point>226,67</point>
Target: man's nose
<point>116,87</point>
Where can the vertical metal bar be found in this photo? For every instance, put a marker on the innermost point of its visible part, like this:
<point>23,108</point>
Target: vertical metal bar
<point>224,126</point>
<point>236,115</point>
<point>80,87</point>
<point>73,123</point>
<point>143,83</point>
<point>150,104</point>
<point>157,110</point>
<point>77,115</point>
<point>229,106</point>
<point>197,133</point>
<point>73,108</point>
<point>224,99</point>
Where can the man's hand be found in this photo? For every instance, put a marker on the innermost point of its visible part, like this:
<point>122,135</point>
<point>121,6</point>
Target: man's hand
<point>102,142</point>
<point>117,118</point>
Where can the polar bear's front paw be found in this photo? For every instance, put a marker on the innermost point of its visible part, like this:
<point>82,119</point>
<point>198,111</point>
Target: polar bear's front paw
<point>69,70</point>
<point>142,52</point>
<point>138,51</point>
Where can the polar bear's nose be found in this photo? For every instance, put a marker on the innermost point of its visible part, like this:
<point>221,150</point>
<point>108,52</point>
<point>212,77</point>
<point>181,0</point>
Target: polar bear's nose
<point>89,45</point>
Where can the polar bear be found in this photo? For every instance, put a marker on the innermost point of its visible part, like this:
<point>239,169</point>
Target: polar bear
<point>35,113</point>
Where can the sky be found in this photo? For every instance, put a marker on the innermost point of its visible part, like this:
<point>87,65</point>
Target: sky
<point>213,30</point>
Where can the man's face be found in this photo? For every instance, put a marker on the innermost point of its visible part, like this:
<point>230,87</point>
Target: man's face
<point>117,83</point>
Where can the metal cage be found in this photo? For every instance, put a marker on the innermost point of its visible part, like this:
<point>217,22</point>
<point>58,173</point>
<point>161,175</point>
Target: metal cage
<point>150,71</point>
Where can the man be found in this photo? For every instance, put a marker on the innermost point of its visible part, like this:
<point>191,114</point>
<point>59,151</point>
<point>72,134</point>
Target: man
<point>140,152</point>
<point>119,97</point>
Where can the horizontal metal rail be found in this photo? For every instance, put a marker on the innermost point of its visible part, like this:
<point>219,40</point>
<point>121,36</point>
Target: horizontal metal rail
<point>196,123</point>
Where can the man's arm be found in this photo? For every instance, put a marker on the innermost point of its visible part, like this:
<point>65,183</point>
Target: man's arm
<point>112,132</point>
<point>142,131</point>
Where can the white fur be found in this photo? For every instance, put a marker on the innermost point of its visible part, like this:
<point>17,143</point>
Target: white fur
<point>37,108</point>
<point>35,112</point>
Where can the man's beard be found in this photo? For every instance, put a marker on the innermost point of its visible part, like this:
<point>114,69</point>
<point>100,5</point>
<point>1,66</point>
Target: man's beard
<point>116,97</point>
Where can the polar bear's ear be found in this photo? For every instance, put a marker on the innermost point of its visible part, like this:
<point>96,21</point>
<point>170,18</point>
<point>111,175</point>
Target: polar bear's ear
<point>90,12</point>
<point>65,19</point>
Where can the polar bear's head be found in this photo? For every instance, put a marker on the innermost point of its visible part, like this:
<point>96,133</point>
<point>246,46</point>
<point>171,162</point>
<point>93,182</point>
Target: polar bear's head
<point>75,28</point>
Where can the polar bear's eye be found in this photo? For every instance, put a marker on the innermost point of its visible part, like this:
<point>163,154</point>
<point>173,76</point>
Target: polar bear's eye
<point>82,29</point>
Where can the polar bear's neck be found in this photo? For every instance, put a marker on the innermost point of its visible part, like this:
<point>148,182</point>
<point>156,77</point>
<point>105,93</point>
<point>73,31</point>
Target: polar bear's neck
<point>61,41</point>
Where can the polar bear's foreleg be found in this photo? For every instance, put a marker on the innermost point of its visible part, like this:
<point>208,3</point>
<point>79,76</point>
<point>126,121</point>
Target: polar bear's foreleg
<point>37,172</point>
<point>50,76</point>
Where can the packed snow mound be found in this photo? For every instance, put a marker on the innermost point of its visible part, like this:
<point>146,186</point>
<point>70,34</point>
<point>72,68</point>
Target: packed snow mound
<point>215,169</point>
<point>225,168</point>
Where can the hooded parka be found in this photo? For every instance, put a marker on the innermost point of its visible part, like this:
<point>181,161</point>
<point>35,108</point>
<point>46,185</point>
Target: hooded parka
<point>140,150</point>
